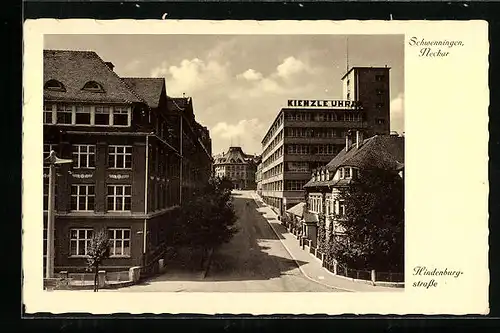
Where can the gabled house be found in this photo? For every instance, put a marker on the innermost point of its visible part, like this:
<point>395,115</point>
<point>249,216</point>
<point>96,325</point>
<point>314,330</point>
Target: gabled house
<point>377,152</point>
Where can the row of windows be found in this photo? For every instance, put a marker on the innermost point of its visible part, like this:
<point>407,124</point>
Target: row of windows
<point>297,166</point>
<point>313,149</point>
<point>272,130</point>
<point>119,242</point>
<point>274,186</point>
<point>274,156</point>
<point>83,155</point>
<point>315,204</point>
<point>67,114</point>
<point>295,185</point>
<point>234,174</point>
<point>273,144</point>
<point>230,168</point>
<point>342,173</point>
<point>274,171</point>
<point>118,198</point>
<point>324,116</point>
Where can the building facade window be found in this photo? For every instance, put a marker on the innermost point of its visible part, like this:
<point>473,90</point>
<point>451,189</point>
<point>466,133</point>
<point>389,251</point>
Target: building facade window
<point>80,242</point>
<point>120,157</point>
<point>82,197</point>
<point>82,115</point>
<point>48,113</point>
<point>120,242</point>
<point>84,156</point>
<point>120,116</point>
<point>102,116</point>
<point>64,114</point>
<point>347,173</point>
<point>119,197</point>
<point>341,208</point>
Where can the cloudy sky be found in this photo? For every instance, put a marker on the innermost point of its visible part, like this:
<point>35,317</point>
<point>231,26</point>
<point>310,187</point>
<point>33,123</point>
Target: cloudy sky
<point>239,83</point>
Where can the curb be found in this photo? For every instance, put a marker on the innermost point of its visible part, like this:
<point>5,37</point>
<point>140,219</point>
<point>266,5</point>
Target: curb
<point>298,265</point>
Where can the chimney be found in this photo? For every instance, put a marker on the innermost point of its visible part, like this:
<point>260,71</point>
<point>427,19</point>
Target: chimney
<point>348,141</point>
<point>110,65</point>
<point>359,138</point>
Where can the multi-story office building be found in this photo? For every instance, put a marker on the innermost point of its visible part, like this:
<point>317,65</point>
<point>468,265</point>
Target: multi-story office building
<point>134,157</point>
<point>307,134</point>
<point>258,178</point>
<point>239,167</point>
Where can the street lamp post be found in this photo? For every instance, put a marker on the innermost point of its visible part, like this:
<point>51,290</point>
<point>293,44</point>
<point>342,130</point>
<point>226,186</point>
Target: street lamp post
<point>52,160</point>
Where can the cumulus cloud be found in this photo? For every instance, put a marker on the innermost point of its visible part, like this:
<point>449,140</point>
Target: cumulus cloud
<point>246,133</point>
<point>250,75</point>
<point>290,66</point>
<point>289,77</point>
<point>191,75</point>
<point>397,113</point>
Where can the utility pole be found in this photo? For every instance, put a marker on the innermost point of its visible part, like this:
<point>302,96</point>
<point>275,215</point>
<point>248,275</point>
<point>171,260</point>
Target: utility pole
<point>52,159</point>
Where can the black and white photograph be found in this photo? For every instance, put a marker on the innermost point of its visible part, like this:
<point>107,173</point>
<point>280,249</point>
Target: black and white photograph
<point>316,165</point>
<point>224,163</point>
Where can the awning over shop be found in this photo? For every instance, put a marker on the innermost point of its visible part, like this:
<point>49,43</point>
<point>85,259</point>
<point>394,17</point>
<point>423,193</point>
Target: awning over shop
<point>297,210</point>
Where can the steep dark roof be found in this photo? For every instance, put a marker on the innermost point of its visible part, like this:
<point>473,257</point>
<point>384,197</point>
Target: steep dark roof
<point>178,103</point>
<point>74,69</point>
<point>149,89</point>
<point>234,155</point>
<point>378,152</point>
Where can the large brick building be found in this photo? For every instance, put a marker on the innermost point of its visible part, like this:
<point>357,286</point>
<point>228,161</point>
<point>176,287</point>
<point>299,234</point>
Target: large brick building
<point>307,134</point>
<point>136,152</point>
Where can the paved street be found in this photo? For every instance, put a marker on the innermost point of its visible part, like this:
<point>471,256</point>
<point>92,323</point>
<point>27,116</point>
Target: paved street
<point>261,257</point>
<point>254,260</point>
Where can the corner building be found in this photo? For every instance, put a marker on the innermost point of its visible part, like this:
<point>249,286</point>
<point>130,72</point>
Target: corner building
<point>307,134</point>
<point>136,153</point>
<point>239,167</point>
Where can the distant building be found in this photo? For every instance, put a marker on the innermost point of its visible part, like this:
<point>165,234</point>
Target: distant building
<point>378,152</point>
<point>307,134</point>
<point>239,167</point>
<point>136,154</point>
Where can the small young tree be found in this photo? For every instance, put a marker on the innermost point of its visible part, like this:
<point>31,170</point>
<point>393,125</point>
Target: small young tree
<point>373,222</point>
<point>97,251</point>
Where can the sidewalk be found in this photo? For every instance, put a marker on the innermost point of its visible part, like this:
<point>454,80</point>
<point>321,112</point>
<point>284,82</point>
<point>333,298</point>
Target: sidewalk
<point>313,269</point>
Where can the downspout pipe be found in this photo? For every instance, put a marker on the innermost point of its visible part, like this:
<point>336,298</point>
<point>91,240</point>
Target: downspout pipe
<point>146,189</point>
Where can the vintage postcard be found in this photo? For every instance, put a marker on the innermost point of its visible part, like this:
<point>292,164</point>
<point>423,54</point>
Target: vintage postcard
<point>281,167</point>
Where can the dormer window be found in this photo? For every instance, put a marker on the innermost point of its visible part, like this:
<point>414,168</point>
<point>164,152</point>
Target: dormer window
<point>54,85</point>
<point>347,173</point>
<point>327,175</point>
<point>93,86</point>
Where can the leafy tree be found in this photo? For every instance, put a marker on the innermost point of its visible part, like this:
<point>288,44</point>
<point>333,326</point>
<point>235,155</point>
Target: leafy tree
<point>373,222</point>
<point>322,239</point>
<point>208,219</point>
<point>98,250</point>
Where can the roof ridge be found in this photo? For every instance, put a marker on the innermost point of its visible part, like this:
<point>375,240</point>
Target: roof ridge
<point>132,91</point>
<point>143,78</point>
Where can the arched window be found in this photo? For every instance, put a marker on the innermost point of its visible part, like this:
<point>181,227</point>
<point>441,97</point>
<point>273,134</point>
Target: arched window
<point>54,85</point>
<point>93,86</point>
